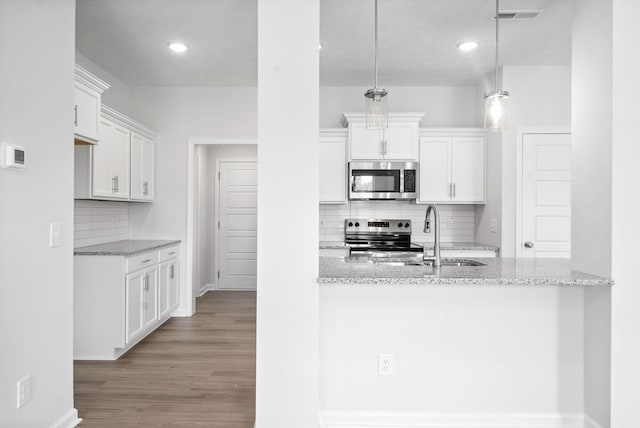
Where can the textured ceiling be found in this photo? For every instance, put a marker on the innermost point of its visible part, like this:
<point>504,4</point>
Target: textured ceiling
<point>417,40</point>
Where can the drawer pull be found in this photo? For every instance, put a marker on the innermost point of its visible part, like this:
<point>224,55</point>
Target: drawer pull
<point>146,261</point>
<point>171,253</point>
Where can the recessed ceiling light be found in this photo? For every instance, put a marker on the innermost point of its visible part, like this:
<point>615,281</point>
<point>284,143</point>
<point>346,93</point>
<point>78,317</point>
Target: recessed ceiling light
<point>467,46</point>
<point>178,47</point>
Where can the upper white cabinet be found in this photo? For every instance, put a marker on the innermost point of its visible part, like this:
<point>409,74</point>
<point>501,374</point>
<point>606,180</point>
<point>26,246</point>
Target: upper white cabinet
<point>452,166</point>
<point>88,95</point>
<point>142,168</point>
<point>399,141</point>
<point>121,166</point>
<point>333,166</point>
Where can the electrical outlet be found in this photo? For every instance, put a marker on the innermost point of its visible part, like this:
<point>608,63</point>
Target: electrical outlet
<point>449,223</point>
<point>493,225</point>
<point>385,364</point>
<point>24,390</point>
<point>55,235</point>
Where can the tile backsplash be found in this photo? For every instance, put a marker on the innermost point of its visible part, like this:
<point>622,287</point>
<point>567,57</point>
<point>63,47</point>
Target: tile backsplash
<point>97,222</point>
<point>457,221</point>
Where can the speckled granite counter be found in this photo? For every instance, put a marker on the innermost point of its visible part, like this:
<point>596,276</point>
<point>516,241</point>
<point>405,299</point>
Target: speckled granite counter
<point>498,271</point>
<point>127,247</point>
<point>445,246</point>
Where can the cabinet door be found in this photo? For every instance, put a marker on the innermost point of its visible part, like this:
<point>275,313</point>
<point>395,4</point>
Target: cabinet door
<point>102,183</point>
<point>87,113</point>
<point>435,170</point>
<point>468,169</point>
<point>164,272</point>
<point>134,303</point>
<point>120,144</point>
<point>174,275</point>
<point>148,169</point>
<point>136,166</point>
<point>333,170</point>
<point>365,144</point>
<point>401,141</point>
<point>151,297</point>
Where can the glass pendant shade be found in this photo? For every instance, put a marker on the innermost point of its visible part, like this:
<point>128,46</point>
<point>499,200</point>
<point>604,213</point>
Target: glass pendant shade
<point>376,108</point>
<point>496,105</point>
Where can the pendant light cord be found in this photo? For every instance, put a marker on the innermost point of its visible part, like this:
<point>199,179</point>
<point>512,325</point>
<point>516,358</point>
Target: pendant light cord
<point>497,42</point>
<point>375,55</point>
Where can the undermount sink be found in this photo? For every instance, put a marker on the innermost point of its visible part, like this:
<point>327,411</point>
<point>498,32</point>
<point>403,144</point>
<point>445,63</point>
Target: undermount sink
<point>418,262</point>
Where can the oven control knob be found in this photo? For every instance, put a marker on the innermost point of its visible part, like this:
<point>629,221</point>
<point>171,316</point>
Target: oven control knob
<point>400,224</point>
<point>357,224</point>
<point>350,224</point>
<point>407,225</point>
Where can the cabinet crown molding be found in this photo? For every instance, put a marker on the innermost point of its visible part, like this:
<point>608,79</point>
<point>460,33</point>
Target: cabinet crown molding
<point>393,117</point>
<point>127,122</point>
<point>92,81</point>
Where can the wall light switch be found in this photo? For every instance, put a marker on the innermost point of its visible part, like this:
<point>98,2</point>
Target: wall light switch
<point>493,225</point>
<point>55,235</point>
<point>24,391</point>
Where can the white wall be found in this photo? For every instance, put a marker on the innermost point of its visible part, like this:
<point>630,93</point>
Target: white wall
<point>36,282</point>
<point>201,192</point>
<point>214,153</point>
<point>462,353</point>
<point>177,114</point>
<point>591,191</point>
<point>444,106</point>
<point>118,95</point>
<point>288,151</point>
<point>539,97</point>
<point>625,340</point>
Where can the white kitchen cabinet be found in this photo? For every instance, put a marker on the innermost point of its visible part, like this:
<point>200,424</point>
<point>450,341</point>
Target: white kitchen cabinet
<point>399,141</point>
<point>452,167</point>
<point>168,282</point>
<point>120,300</point>
<point>134,305</point>
<point>142,168</point>
<point>122,166</point>
<point>88,95</point>
<point>333,167</point>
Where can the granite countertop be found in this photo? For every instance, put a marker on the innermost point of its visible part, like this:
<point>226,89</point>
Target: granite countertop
<point>127,247</point>
<point>498,271</point>
<point>447,246</point>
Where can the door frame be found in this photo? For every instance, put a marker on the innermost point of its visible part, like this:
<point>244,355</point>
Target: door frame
<point>216,218</point>
<point>190,297</point>
<point>521,132</point>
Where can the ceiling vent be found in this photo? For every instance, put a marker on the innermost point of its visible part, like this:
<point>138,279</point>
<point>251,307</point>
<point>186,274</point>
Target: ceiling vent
<point>519,14</point>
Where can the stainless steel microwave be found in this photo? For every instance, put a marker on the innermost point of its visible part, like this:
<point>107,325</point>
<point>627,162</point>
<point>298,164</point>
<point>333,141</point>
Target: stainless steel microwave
<point>383,180</point>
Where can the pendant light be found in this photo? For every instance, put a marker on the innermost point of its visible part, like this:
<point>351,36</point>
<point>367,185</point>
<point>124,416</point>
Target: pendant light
<point>496,102</point>
<point>376,98</point>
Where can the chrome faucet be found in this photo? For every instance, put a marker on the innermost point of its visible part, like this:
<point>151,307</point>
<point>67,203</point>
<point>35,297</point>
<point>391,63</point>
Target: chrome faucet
<point>427,229</point>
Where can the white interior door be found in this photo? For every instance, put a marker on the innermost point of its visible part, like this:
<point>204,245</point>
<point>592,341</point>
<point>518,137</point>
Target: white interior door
<point>546,195</point>
<point>237,232</point>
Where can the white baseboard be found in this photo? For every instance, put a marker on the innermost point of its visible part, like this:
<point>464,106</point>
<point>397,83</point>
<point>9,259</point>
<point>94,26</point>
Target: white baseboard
<point>69,420</point>
<point>181,312</point>
<point>590,423</point>
<point>330,419</point>
<point>206,288</point>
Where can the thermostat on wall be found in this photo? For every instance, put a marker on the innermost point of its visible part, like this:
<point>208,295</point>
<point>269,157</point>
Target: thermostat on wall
<point>12,156</point>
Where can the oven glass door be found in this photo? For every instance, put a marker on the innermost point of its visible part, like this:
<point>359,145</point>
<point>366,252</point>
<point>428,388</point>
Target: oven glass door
<point>375,181</point>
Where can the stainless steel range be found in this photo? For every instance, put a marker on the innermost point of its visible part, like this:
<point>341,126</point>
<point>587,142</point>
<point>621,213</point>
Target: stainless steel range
<point>380,238</point>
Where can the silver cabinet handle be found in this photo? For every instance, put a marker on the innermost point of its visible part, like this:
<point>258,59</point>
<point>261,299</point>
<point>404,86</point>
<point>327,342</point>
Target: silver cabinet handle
<point>528,244</point>
<point>382,147</point>
<point>113,184</point>
<point>172,253</point>
<point>451,190</point>
<point>145,188</point>
<point>146,261</point>
<point>454,190</point>
<point>75,115</point>
<point>171,271</point>
<point>144,282</point>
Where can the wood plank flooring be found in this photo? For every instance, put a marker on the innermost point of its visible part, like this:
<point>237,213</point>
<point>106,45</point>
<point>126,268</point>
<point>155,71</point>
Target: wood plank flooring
<point>191,372</point>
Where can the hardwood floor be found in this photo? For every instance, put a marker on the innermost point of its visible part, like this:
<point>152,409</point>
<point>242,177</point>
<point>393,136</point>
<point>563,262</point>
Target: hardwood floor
<point>191,372</point>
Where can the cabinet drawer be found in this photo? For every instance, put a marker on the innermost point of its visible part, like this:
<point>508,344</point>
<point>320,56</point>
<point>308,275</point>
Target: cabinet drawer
<point>141,261</point>
<point>167,253</point>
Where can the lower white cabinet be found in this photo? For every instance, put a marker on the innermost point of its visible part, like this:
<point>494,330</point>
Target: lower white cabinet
<point>119,300</point>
